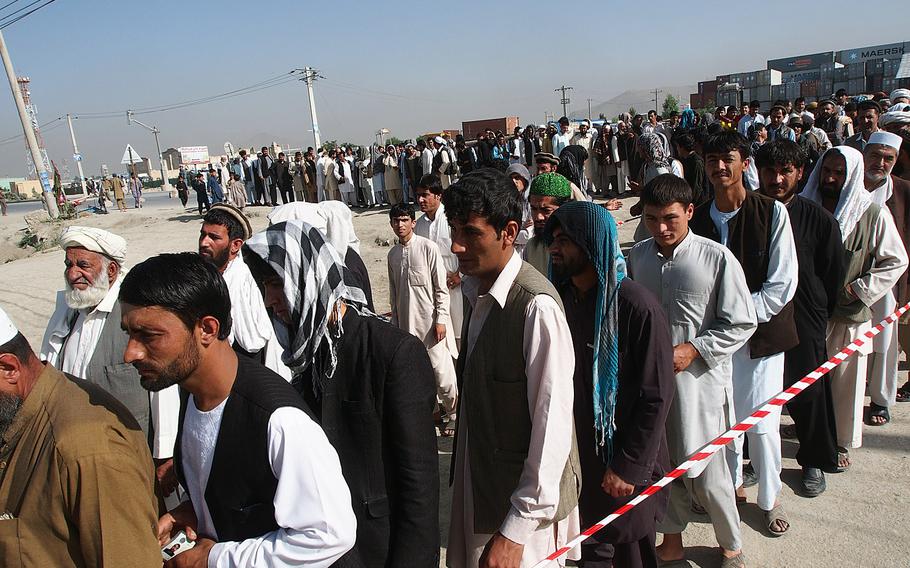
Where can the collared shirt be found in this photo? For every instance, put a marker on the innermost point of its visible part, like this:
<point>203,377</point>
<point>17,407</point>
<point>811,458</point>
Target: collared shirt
<point>746,121</point>
<point>560,141</point>
<point>86,330</point>
<point>550,364</point>
<point>437,230</point>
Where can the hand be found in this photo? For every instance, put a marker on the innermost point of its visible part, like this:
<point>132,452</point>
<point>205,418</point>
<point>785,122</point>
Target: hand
<point>453,279</point>
<point>180,517</point>
<point>683,355</point>
<point>196,557</point>
<point>613,204</point>
<point>634,185</point>
<point>501,552</point>
<point>166,475</point>
<point>614,486</point>
<point>440,332</point>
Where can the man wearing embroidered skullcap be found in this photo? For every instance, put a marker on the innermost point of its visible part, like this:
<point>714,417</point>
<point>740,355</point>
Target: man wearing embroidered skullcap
<point>76,475</point>
<point>623,382</point>
<point>875,259</point>
<point>547,193</point>
<point>887,191</point>
<point>84,339</point>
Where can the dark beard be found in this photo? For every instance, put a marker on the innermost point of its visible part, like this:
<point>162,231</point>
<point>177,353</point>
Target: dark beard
<point>219,260</point>
<point>175,373</point>
<point>9,408</point>
<point>829,192</point>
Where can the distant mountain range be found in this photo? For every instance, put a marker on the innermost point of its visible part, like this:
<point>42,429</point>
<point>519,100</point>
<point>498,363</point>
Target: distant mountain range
<point>642,100</point>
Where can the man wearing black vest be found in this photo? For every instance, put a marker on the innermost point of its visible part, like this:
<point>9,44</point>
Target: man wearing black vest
<point>515,469</point>
<point>757,231</point>
<point>263,175</point>
<point>265,485</point>
<point>820,254</point>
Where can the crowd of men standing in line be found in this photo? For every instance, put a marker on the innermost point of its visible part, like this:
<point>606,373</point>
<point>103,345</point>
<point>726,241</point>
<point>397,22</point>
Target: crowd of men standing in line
<point>247,394</point>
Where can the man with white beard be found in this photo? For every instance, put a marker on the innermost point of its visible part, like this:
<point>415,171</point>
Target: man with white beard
<point>84,339</point>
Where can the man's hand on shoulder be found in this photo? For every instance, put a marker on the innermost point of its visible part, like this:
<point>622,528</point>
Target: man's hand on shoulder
<point>500,552</point>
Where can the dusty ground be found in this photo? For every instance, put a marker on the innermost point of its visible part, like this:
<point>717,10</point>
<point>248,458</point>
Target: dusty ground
<point>862,520</point>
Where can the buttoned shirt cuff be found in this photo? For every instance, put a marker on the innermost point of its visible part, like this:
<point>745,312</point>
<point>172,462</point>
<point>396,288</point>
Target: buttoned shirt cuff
<point>518,529</point>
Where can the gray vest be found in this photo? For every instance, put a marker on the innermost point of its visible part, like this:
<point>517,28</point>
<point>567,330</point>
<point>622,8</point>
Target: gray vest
<point>538,255</point>
<point>858,260</point>
<point>495,395</point>
<point>107,370</point>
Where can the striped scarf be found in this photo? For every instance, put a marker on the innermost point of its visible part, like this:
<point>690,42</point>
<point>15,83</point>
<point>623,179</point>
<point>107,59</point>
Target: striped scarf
<point>312,273</point>
<point>593,229</point>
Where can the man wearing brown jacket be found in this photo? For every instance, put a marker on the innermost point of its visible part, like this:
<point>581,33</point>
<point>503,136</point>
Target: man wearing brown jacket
<point>75,470</point>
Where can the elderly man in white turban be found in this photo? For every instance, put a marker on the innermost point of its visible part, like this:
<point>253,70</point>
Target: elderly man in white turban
<point>875,259</point>
<point>441,161</point>
<point>899,96</point>
<point>896,119</point>
<point>84,338</point>
<point>879,157</point>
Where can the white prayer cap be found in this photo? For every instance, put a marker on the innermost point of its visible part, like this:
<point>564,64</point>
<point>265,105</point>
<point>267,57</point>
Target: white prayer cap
<point>96,240</point>
<point>899,93</point>
<point>886,139</point>
<point>7,329</point>
<point>586,122</point>
<point>439,140</point>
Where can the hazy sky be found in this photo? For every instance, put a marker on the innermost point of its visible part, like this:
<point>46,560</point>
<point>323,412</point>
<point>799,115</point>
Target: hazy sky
<point>410,67</point>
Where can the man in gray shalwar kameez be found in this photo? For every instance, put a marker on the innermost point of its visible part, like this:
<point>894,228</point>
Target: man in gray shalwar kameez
<point>703,291</point>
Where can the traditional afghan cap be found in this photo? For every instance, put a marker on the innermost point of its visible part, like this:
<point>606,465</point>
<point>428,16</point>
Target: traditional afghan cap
<point>551,185</point>
<point>7,330</point>
<point>96,240</point>
<point>546,158</point>
<point>238,215</point>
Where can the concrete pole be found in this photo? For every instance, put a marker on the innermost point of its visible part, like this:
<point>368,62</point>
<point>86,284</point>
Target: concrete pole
<point>69,121</point>
<point>310,79</point>
<point>50,202</point>
<point>165,183</point>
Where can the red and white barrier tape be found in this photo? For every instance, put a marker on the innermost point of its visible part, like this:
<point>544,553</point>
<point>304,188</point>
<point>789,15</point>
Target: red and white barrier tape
<point>715,445</point>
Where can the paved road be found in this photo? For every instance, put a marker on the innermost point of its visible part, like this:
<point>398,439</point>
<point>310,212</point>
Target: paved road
<point>153,200</point>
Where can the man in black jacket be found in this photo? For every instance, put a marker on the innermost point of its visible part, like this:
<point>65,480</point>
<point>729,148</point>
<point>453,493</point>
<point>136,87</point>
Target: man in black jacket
<point>370,386</point>
<point>265,485</point>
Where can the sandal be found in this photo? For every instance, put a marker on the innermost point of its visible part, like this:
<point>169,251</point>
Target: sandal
<point>876,411</point>
<point>843,460</point>
<point>776,517</point>
<point>738,561</point>
<point>903,393</point>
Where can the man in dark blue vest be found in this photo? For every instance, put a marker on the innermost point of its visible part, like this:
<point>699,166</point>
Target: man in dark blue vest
<point>265,485</point>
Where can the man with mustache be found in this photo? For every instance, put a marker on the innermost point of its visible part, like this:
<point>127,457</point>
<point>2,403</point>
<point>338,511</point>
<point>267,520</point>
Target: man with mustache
<point>265,486</point>
<point>880,156</point>
<point>875,259</point>
<point>224,230</point>
<point>75,476</point>
<point>84,339</point>
<point>820,256</point>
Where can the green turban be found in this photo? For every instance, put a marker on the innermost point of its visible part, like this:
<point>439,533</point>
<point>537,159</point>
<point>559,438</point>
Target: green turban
<point>551,185</point>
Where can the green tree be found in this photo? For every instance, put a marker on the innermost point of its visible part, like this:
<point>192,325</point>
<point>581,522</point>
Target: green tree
<point>671,104</point>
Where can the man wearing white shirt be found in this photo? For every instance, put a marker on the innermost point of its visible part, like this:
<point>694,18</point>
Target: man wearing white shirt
<point>434,225</point>
<point>562,138</point>
<point>83,338</point>
<point>516,473</point>
<point>753,117</point>
<point>265,485</point>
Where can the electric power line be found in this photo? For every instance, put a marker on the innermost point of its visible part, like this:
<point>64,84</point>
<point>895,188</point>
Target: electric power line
<point>25,15</point>
<point>20,137</point>
<point>5,6</point>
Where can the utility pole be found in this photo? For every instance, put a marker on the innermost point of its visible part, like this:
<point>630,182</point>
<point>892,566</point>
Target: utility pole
<point>656,93</point>
<point>309,76</point>
<point>165,183</point>
<point>564,100</point>
<point>76,156</point>
<point>50,202</point>
<point>589,109</point>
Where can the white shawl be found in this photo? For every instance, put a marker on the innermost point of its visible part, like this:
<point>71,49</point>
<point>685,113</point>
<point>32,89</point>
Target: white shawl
<point>854,198</point>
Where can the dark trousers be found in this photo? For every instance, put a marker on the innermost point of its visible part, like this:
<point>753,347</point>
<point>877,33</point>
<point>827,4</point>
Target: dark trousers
<point>261,192</point>
<point>202,200</point>
<point>638,554</point>
<point>813,414</point>
<point>287,195</point>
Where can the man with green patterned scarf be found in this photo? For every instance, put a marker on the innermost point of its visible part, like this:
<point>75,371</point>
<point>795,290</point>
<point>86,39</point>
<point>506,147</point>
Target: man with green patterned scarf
<point>623,381</point>
<point>548,192</point>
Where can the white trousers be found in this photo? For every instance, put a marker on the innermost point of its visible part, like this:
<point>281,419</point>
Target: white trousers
<point>446,382</point>
<point>848,382</point>
<point>882,366</point>
<point>754,382</point>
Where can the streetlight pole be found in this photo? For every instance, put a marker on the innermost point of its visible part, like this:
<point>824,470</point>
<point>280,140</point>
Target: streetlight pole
<point>50,202</point>
<point>165,184</point>
<point>76,157</point>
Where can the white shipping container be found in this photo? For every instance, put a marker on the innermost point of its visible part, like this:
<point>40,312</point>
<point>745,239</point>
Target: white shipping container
<point>768,77</point>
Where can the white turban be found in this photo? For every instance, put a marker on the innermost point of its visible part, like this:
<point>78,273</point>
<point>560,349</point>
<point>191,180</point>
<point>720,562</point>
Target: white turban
<point>332,218</point>
<point>899,93</point>
<point>895,116</point>
<point>96,240</point>
<point>7,330</point>
<point>886,139</point>
<point>439,140</point>
<point>854,198</point>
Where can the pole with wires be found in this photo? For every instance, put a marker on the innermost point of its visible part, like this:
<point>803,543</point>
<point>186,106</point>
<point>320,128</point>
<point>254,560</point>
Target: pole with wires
<point>309,77</point>
<point>77,157</point>
<point>50,202</point>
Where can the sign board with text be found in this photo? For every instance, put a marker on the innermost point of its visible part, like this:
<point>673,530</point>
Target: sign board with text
<point>194,154</point>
